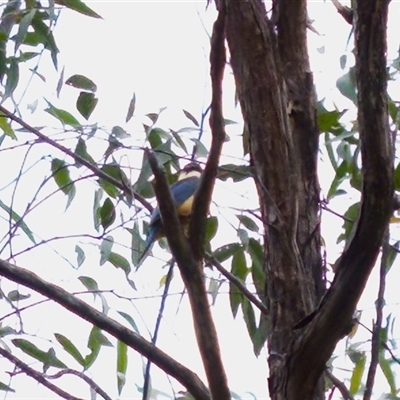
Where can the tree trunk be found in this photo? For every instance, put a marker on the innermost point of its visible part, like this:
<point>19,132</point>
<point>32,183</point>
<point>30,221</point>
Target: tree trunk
<point>276,93</point>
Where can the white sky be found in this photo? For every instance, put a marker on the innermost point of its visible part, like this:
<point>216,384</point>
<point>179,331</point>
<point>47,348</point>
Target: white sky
<point>159,50</point>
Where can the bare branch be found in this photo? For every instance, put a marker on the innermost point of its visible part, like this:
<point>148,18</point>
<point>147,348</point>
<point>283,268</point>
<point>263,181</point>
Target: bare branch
<point>344,11</point>
<point>182,374</point>
<point>376,332</point>
<point>191,272</point>
<point>340,385</point>
<point>37,375</point>
<point>335,313</point>
<point>238,283</point>
<point>98,172</point>
<point>84,377</point>
<point>197,227</point>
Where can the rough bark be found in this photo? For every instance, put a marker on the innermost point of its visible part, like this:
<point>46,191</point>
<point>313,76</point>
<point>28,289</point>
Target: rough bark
<point>275,89</point>
<point>283,182</point>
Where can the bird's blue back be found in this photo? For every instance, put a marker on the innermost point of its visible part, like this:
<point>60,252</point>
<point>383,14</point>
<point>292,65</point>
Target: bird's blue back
<point>180,191</point>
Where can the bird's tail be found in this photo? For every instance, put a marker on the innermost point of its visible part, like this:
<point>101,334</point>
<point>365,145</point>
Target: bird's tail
<point>151,238</point>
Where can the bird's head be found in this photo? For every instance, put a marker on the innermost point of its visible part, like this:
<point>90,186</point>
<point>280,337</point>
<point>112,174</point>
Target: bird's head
<point>193,169</point>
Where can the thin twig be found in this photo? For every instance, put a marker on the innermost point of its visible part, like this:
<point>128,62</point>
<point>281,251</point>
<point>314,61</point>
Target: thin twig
<point>182,374</point>
<point>376,344</point>
<point>238,283</point>
<point>81,375</point>
<point>98,172</point>
<point>157,329</point>
<point>37,376</point>
<point>340,385</point>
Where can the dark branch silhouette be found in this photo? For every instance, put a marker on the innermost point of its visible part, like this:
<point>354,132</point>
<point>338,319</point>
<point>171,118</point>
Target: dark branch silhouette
<point>182,374</point>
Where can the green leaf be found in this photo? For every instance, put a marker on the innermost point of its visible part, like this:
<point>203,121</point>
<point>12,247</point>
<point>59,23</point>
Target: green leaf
<point>211,228</point>
<point>386,367</point>
<point>348,225</point>
<point>343,61</point>
<point>153,117</point>
<point>122,364</point>
<point>81,150</point>
<point>89,283</point>
<point>115,171</point>
<point>63,116</point>
<point>105,249</point>
<point>12,78</point>
<point>131,108</point>
<point>248,222</point>
<point>23,27</point>
<point>70,348</point>
<point>107,213</point>
<point>329,120</point>
<point>155,137</point>
<point>5,126</point>
<point>341,175</point>
<point>358,371</point>
<point>238,269</point>
<point>45,36</point>
<point>190,117</point>
<point>63,180</point>
<point>80,255</point>
<point>393,250</point>
<point>236,172</point>
<point>114,144</point>
<point>60,82</point>
<point>26,56</point>
<point>329,149</point>
<point>15,295</point>
<point>261,335</point>
<point>18,221</point>
<point>7,330</point>
<point>257,266</point>
<point>81,82</point>
<point>98,194</point>
<point>137,244</point>
<point>86,103</point>
<point>48,358</point>
<point>243,236</point>
<point>6,388</point>
<point>119,262</point>
<point>347,85</point>
<point>79,6</point>
<point>95,341</point>
<point>249,317</point>
<point>130,320</point>
<point>201,150</point>
<point>226,251</point>
<point>179,141</point>
<point>119,132</point>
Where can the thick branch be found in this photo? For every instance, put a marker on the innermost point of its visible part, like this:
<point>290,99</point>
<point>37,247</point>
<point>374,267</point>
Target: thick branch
<point>292,42</point>
<point>202,202</point>
<point>334,316</point>
<point>182,374</point>
<point>192,275</point>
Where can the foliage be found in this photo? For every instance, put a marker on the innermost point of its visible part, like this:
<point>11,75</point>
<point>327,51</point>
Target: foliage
<point>102,165</point>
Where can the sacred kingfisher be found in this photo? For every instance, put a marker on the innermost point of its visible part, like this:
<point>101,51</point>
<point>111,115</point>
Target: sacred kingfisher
<point>182,192</point>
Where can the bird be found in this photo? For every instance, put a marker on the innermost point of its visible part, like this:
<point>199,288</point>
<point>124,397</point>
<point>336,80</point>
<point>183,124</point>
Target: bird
<point>182,192</point>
